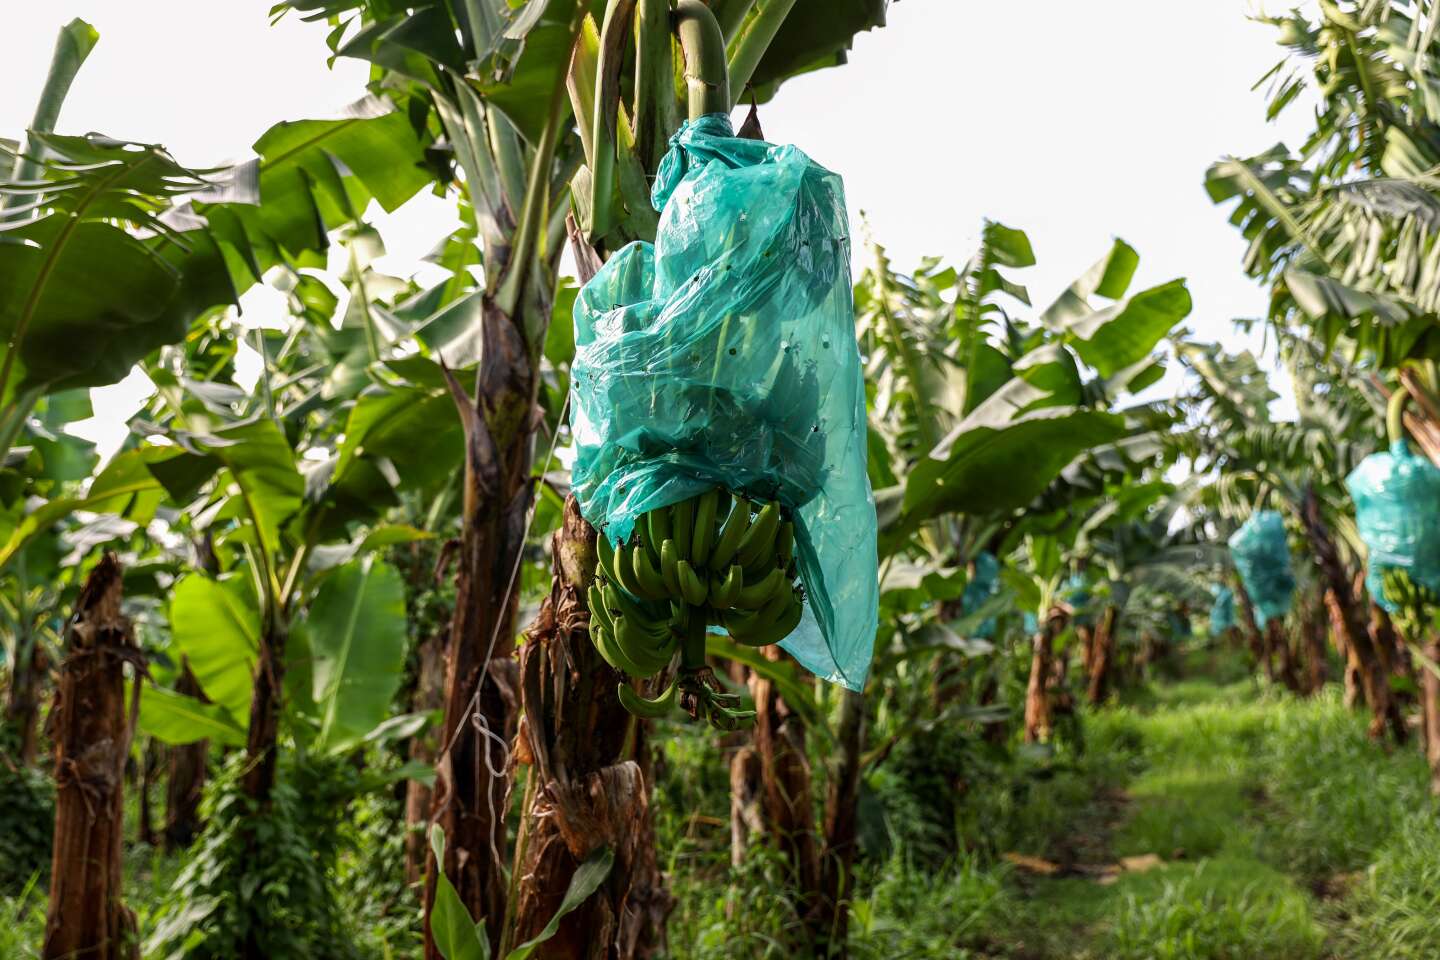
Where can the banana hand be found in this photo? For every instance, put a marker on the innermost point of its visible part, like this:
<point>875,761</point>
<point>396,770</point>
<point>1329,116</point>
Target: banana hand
<point>756,595</point>
<point>734,530</point>
<point>691,586</point>
<point>684,527</point>
<point>703,535</point>
<point>759,540</point>
<point>641,707</point>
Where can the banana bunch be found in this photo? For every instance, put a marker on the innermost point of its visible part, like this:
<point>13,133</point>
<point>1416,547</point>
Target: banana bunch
<point>711,559</point>
<point>1414,602</point>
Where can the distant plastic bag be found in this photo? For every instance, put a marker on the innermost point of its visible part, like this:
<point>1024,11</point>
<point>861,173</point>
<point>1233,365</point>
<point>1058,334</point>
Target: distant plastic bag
<point>1397,508</point>
<point>980,588</point>
<point>725,355</point>
<point>1076,595</point>
<point>1222,611</point>
<point>1262,557</point>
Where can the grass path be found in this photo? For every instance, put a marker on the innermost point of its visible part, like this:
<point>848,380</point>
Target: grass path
<point>1280,832</point>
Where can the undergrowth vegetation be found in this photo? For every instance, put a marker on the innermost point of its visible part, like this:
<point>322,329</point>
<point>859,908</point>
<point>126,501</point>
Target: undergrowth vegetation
<point>1280,828</point>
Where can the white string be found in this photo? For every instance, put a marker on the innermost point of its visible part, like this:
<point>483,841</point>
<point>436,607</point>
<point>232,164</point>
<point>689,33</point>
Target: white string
<point>476,718</point>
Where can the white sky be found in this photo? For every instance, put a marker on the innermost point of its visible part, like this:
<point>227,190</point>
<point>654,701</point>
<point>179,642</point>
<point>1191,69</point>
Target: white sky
<point>1076,122</point>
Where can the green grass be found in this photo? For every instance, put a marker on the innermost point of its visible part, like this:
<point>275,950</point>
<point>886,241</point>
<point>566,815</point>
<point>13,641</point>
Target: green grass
<point>1285,832</point>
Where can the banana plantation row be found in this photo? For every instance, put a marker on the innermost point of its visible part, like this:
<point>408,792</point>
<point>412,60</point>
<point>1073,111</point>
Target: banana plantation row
<point>344,642</point>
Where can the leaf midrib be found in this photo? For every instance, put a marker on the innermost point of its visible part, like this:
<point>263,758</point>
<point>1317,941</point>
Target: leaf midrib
<point>52,257</point>
<point>332,695</point>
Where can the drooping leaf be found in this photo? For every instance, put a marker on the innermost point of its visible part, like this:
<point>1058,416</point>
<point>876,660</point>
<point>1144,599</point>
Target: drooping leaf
<point>586,879</point>
<point>122,247</point>
<point>123,482</point>
<point>267,486</point>
<point>357,637</point>
<point>1109,278</point>
<point>216,625</point>
<point>1125,334</point>
<point>995,460</point>
<point>816,34</point>
<point>176,719</point>
<point>456,934</point>
<point>414,427</point>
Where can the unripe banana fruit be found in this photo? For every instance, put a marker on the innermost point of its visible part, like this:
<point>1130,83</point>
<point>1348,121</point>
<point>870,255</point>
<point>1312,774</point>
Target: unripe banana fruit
<point>691,564</point>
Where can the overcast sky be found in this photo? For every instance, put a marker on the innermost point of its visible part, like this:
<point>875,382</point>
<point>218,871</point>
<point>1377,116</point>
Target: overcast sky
<point>1077,122</point>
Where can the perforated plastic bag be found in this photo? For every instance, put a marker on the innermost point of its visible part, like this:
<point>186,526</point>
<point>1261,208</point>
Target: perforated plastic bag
<point>1397,508</point>
<point>1222,611</point>
<point>1262,557</point>
<point>725,355</point>
<point>981,587</point>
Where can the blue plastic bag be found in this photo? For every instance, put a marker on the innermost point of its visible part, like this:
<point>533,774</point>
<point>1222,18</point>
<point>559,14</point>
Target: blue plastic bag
<point>725,355</point>
<point>981,587</point>
<point>1262,557</point>
<point>1076,595</point>
<point>1397,509</point>
<point>1222,611</point>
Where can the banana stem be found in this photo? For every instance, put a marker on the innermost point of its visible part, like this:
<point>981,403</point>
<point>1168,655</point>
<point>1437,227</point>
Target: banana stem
<point>692,648</point>
<point>618,17</point>
<point>76,40</point>
<point>707,78</point>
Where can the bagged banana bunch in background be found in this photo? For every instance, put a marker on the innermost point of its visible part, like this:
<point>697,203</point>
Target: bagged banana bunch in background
<point>1222,611</point>
<point>1397,511</point>
<point>718,410</point>
<point>1261,554</point>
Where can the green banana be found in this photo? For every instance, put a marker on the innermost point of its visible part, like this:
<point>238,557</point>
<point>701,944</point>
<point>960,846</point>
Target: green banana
<point>703,537</point>
<point>648,575</point>
<point>684,527</point>
<point>759,540</point>
<point>733,531</point>
<point>755,595</point>
<point>723,590</point>
<point>599,609</point>
<point>616,599</point>
<point>625,573</point>
<point>605,551</point>
<point>782,627</point>
<point>641,707</point>
<point>644,652</point>
<point>758,628</point>
<point>691,586</point>
<point>658,522</point>
<point>670,567</point>
<point>605,643</point>
<point>642,538</point>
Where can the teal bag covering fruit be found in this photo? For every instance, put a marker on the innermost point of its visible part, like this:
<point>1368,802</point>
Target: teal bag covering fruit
<point>1262,557</point>
<point>724,355</point>
<point>1397,510</point>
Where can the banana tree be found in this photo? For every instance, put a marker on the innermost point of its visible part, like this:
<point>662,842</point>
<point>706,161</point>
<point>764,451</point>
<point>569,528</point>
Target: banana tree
<point>110,249</point>
<point>1248,459</point>
<point>495,76</point>
<point>970,392</point>
<point>1344,230</point>
<point>291,626</point>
